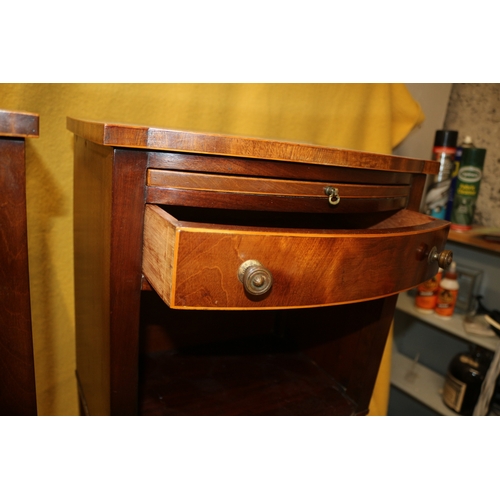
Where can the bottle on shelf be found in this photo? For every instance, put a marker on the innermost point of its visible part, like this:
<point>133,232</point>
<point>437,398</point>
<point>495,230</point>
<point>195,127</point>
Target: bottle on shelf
<point>426,297</point>
<point>447,293</point>
<point>466,143</point>
<point>464,378</point>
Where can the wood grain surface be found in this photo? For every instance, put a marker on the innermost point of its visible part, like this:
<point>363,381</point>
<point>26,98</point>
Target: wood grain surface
<point>19,124</point>
<point>270,168</point>
<point>256,186</point>
<point>196,265</point>
<point>224,200</point>
<point>108,222</point>
<point>138,136</point>
<point>17,372</point>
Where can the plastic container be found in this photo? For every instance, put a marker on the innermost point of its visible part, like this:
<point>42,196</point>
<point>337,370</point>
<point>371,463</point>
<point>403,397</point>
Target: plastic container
<point>447,293</point>
<point>426,298</point>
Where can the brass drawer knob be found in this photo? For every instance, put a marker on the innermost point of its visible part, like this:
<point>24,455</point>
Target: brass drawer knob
<point>443,258</point>
<point>256,279</point>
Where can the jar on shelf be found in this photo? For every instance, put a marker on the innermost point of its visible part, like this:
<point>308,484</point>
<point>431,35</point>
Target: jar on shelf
<point>426,295</point>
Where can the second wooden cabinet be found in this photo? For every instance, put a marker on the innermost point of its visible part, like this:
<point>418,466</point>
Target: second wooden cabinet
<point>17,369</point>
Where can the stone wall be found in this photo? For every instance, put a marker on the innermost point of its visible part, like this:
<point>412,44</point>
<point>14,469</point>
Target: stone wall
<point>474,110</point>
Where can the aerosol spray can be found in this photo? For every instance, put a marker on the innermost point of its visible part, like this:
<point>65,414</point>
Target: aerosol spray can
<point>466,143</point>
<point>445,146</point>
<point>468,182</point>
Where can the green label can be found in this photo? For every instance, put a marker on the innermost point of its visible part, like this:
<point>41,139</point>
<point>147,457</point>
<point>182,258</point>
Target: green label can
<point>469,178</point>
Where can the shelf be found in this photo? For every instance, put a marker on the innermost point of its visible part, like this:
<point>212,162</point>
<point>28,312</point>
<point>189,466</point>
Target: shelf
<point>454,325</point>
<point>473,238</point>
<point>247,377</point>
<point>418,382</point>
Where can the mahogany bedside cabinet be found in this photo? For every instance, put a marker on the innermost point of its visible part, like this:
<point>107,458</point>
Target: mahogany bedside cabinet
<point>17,373</point>
<point>222,275</point>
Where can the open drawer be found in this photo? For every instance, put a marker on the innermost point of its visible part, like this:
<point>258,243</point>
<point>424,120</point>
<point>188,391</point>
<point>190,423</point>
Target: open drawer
<point>194,265</point>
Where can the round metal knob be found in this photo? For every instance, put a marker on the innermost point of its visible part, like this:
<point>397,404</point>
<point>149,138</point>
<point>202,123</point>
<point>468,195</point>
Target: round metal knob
<point>443,258</point>
<point>256,279</point>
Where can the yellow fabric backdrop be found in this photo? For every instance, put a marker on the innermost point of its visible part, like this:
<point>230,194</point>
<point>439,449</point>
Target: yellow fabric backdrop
<point>370,117</point>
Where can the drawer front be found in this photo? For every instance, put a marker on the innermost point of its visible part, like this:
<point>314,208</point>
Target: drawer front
<point>197,266</point>
<point>252,193</point>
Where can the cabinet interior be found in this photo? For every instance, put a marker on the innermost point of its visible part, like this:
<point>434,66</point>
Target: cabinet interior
<point>210,362</point>
<point>386,220</point>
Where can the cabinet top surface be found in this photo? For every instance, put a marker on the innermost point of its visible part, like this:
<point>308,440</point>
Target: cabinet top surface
<point>161,139</point>
<point>18,124</point>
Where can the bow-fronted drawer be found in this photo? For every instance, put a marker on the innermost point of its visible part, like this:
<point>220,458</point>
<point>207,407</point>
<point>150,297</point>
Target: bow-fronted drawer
<point>200,265</point>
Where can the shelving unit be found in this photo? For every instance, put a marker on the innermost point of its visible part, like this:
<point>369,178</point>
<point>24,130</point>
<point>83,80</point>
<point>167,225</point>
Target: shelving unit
<point>425,343</point>
<point>474,238</point>
<point>453,326</point>
<point>419,382</point>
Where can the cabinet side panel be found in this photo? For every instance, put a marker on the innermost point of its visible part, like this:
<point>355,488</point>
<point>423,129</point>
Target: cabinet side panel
<point>17,376</point>
<point>109,210</point>
<point>128,203</point>
<point>92,236</point>
<point>416,192</point>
